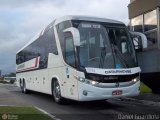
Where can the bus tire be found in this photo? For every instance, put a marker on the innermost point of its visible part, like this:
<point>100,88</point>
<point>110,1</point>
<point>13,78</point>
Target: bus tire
<point>56,92</point>
<point>25,91</point>
<point>21,85</point>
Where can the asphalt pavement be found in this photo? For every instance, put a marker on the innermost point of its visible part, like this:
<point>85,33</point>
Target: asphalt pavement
<point>113,109</point>
<point>148,97</point>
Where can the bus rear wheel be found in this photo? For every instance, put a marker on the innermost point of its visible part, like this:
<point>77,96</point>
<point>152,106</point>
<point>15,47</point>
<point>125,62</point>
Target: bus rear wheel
<point>56,92</point>
<point>21,85</point>
<point>24,89</point>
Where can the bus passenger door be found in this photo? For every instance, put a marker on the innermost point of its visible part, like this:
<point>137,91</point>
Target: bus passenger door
<point>70,67</point>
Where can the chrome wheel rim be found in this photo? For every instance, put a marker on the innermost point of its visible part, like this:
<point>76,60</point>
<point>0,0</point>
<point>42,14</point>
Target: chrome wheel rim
<point>57,92</point>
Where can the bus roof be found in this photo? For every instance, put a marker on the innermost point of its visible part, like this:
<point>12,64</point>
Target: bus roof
<point>86,18</point>
<point>70,17</point>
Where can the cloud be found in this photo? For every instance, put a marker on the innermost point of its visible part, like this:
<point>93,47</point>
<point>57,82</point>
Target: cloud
<point>22,19</point>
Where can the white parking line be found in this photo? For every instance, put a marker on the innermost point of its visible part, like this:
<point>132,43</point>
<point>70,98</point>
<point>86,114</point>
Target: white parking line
<point>45,112</point>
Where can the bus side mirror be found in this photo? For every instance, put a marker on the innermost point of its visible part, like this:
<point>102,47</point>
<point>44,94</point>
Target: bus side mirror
<point>76,35</point>
<point>139,40</point>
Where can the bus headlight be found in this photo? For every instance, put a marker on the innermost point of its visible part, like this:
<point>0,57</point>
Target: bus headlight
<point>83,80</point>
<point>94,82</point>
<point>135,79</point>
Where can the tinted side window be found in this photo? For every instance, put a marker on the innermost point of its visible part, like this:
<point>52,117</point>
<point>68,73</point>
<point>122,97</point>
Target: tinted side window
<point>60,27</point>
<point>20,57</point>
<point>41,47</point>
<point>69,50</point>
<point>50,39</point>
<point>47,45</point>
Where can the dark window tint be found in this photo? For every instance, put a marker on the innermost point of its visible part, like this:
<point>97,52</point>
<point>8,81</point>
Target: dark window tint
<point>50,39</point>
<point>60,27</point>
<point>69,49</point>
<point>122,46</point>
<point>40,48</point>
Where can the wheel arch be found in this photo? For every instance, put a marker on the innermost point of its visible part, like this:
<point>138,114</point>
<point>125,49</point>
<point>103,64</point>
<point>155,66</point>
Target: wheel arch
<point>52,82</point>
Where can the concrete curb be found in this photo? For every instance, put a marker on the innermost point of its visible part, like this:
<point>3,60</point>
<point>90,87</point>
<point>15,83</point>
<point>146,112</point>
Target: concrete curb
<point>46,113</point>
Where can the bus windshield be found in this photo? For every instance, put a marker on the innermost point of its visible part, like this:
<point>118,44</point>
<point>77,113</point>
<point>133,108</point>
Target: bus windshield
<point>105,47</point>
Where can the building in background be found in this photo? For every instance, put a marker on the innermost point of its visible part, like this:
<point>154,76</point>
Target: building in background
<point>144,17</point>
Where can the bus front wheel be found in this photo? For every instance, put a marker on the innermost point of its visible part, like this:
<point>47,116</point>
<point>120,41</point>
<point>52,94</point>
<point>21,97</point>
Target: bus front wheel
<point>56,92</point>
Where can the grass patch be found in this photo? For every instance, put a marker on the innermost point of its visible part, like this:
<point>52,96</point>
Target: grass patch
<point>22,113</point>
<point>144,88</point>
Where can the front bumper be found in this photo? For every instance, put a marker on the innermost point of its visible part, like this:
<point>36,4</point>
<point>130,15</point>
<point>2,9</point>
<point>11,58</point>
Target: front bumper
<point>88,92</point>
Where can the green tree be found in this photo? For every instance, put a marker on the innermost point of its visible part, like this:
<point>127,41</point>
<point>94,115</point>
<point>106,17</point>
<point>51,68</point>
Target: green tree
<point>10,75</point>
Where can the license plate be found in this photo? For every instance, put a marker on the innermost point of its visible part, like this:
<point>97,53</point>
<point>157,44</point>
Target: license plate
<point>117,92</point>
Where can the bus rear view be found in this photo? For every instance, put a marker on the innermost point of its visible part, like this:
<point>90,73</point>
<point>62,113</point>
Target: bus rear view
<point>95,60</point>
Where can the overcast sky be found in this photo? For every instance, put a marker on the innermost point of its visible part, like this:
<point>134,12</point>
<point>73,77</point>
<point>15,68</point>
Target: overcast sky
<point>20,20</point>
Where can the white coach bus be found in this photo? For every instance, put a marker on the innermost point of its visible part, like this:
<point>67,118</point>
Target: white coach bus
<point>80,58</point>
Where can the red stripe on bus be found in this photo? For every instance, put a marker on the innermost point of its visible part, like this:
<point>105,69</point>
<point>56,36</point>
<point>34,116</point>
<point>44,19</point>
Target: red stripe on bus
<point>36,62</point>
<point>35,65</point>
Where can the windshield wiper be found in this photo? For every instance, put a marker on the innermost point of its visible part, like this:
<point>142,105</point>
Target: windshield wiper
<point>120,56</point>
<point>102,58</point>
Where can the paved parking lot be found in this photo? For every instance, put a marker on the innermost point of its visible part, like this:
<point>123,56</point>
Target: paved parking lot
<point>111,109</point>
